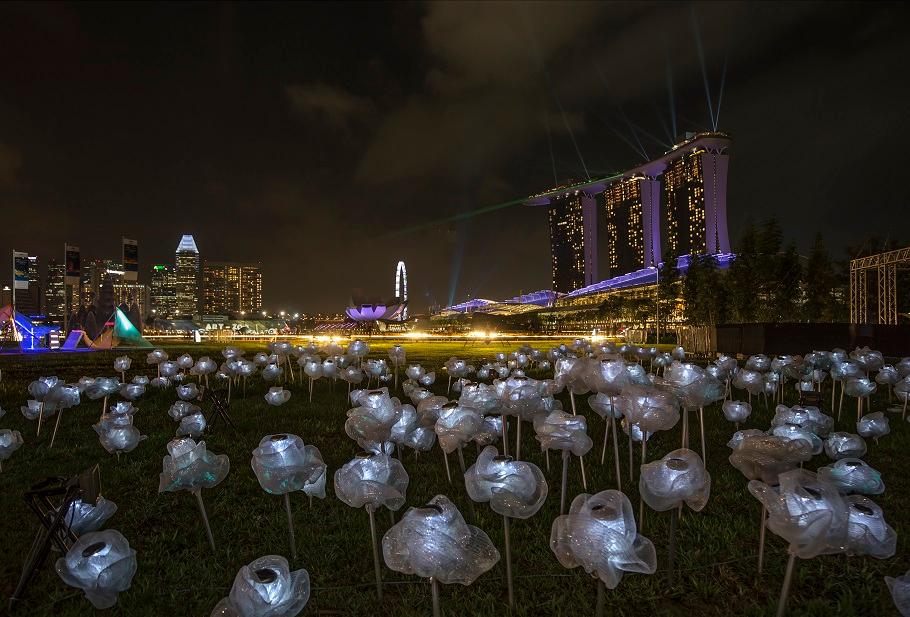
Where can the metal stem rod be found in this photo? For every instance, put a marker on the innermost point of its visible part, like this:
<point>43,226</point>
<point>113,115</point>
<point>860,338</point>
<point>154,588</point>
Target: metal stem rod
<point>565,480</point>
<point>205,518</point>
<point>287,507</point>
<point>505,529</point>
<point>785,589</point>
<point>375,543</point>
<point>434,590</point>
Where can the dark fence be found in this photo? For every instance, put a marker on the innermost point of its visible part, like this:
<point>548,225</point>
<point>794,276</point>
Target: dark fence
<point>799,338</point>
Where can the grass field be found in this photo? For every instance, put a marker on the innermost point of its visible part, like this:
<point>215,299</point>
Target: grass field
<point>179,575</point>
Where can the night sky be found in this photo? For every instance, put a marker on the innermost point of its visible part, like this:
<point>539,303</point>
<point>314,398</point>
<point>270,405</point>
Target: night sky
<point>309,136</point>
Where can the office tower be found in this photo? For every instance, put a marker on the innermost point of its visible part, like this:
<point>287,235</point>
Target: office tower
<point>695,205</point>
<point>95,273</point>
<point>29,301</point>
<point>186,273</point>
<point>55,291</point>
<point>231,288</point>
<point>573,241</point>
<point>163,292</point>
<point>679,197</point>
<point>133,294</point>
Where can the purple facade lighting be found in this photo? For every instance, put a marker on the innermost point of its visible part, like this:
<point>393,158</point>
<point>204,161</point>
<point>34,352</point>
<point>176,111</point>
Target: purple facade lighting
<point>645,276</point>
<point>367,312</point>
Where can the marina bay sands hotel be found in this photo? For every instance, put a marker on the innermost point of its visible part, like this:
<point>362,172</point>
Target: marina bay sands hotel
<point>609,227</point>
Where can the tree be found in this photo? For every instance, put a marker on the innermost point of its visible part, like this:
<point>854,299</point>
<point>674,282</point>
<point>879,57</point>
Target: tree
<point>784,290</point>
<point>819,283</point>
<point>668,287</point>
<point>703,291</point>
<point>742,279</point>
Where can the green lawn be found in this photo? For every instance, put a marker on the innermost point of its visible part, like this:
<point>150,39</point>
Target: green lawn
<point>179,575</point>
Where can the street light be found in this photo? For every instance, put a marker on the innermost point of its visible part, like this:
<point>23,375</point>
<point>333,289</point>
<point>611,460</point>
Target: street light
<point>657,303</point>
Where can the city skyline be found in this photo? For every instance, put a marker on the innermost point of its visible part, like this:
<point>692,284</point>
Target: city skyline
<point>294,158</point>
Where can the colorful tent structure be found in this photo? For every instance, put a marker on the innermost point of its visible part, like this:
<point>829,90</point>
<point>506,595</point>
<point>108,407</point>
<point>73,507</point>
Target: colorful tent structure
<point>30,336</point>
<point>119,332</point>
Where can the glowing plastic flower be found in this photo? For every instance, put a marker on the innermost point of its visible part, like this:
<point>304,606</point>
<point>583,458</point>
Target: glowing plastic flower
<point>456,425</point>
<point>873,425</point>
<point>808,418</point>
<point>759,362</point>
<point>370,424</point>
<point>794,432</point>
<point>397,355</point>
<point>156,357</point>
<point>900,592</point>
<point>117,433</point>
<point>277,396</point>
<point>807,512</point>
<point>83,518</point>
<point>859,387</point>
<point>748,380</point>
<point>695,387</point>
<point>765,457</point>
<point>649,408</point>
<point>100,563</point>
<point>678,477</point>
<point>514,488</point>
<point>599,534</point>
<point>32,409</point>
<point>181,409</point>
<point>188,392</point>
<point>185,361</point>
<point>188,466</point>
<point>407,431</point>
<point>266,587</point>
<point>132,391</point>
<point>563,431</point>
<point>10,441</point>
<point>736,411</point>
<point>372,480</point>
<point>887,376</point>
<point>434,541</point>
<point>62,396</point>
<point>853,475</point>
<point>604,405</point>
<point>868,359</point>
<point>283,464</point>
<point>867,531</point>
<point>122,364</point>
<point>101,387</point>
<point>482,397</point>
<point>844,445</point>
<point>204,366</point>
<point>192,425</point>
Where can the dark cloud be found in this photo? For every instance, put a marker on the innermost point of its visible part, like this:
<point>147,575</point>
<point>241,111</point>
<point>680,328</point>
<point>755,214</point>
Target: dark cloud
<point>10,163</point>
<point>308,136</point>
<point>324,102</point>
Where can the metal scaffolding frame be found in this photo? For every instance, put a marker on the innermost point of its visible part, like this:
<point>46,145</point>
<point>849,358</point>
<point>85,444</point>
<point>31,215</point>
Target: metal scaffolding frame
<point>885,266</point>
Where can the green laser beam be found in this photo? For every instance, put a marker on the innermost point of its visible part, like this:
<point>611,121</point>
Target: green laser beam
<point>492,208</point>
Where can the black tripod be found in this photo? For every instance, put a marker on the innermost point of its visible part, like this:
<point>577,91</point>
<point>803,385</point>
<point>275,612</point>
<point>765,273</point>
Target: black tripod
<point>54,530</point>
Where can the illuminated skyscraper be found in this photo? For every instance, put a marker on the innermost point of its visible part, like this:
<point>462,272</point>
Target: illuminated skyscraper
<point>231,288</point>
<point>186,283</point>
<point>680,197</point>
<point>573,240</point>
<point>55,293</point>
<point>94,273</point>
<point>163,291</point>
<point>29,301</point>
<point>695,204</point>
<point>134,295</point>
